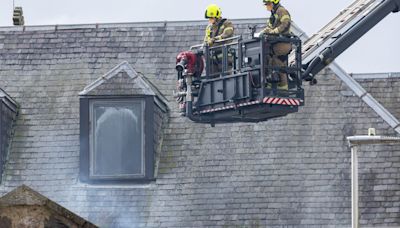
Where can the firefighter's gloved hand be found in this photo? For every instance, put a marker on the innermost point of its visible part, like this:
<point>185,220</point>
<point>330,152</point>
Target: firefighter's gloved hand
<point>210,41</point>
<point>262,34</point>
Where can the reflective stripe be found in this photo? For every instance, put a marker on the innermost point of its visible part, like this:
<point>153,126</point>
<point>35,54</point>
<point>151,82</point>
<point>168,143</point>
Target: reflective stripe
<point>219,56</point>
<point>285,17</point>
<point>229,29</point>
<point>208,33</point>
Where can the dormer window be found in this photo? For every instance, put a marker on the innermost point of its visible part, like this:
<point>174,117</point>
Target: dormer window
<point>117,126</point>
<point>118,123</point>
<point>8,113</point>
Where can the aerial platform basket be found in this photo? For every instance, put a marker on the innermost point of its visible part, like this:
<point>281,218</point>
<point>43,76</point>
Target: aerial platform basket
<point>243,86</point>
<point>240,83</point>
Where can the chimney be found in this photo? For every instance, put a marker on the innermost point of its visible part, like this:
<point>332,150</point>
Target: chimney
<point>18,17</point>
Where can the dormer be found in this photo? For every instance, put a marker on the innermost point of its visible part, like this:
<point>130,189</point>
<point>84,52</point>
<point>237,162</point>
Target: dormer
<point>8,113</point>
<point>121,115</point>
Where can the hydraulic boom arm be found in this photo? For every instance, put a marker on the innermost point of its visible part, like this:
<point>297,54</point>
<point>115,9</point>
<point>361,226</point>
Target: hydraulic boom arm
<point>347,35</point>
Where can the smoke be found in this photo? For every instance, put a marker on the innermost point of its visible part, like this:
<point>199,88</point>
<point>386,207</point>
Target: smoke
<point>105,206</point>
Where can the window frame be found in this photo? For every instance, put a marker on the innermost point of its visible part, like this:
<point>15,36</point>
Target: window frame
<point>1,140</point>
<point>114,103</point>
<point>147,139</point>
<point>8,115</point>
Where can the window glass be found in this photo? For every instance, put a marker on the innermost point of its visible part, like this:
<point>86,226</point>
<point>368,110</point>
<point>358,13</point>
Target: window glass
<point>117,147</point>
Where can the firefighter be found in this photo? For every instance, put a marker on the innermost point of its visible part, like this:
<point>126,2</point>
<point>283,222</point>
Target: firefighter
<point>218,28</point>
<point>278,24</point>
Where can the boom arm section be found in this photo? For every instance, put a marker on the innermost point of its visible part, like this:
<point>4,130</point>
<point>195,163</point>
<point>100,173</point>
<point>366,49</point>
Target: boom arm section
<point>340,41</point>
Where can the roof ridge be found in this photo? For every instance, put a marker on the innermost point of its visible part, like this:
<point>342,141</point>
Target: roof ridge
<point>120,25</point>
<point>377,75</point>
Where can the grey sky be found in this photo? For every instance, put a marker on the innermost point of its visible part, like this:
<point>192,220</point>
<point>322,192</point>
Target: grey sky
<point>377,51</point>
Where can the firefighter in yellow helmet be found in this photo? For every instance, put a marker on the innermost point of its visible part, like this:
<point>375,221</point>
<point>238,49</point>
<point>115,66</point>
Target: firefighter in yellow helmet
<point>278,24</point>
<point>218,27</point>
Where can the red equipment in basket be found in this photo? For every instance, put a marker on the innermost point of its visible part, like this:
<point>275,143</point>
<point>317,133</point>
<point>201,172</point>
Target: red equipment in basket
<point>192,62</point>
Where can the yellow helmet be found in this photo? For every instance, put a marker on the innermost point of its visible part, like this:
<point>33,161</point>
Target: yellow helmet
<point>213,11</point>
<point>273,1</point>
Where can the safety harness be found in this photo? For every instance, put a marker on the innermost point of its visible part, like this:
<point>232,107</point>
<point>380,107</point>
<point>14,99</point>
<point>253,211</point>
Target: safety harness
<point>220,23</point>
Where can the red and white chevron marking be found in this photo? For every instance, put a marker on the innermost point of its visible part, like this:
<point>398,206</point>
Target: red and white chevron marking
<point>230,107</point>
<point>281,101</point>
<point>266,100</point>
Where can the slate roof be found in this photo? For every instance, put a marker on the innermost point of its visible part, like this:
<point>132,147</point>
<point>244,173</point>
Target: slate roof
<point>292,171</point>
